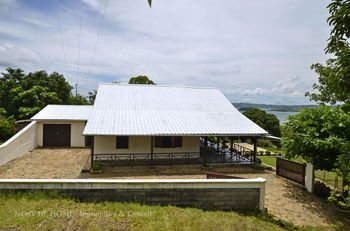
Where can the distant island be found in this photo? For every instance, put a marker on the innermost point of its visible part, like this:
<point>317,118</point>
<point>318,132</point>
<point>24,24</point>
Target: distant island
<point>272,107</point>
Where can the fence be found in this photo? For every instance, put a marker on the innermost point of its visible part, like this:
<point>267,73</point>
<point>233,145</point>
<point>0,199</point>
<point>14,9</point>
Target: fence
<point>291,170</point>
<point>330,178</point>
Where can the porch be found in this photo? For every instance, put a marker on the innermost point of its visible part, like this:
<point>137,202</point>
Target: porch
<point>202,151</point>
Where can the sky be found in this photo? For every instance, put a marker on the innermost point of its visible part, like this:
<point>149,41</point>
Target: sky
<point>256,51</point>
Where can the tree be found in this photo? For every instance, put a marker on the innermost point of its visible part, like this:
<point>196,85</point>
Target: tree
<point>318,135</point>
<point>141,79</point>
<point>334,77</point>
<point>22,95</point>
<point>6,125</point>
<point>92,96</point>
<point>78,100</point>
<point>33,100</point>
<point>267,121</point>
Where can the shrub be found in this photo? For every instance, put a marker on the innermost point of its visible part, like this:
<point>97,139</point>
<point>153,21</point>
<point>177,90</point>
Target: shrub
<point>96,166</point>
<point>341,199</point>
<point>264,143</point>
<point>261,152</point>
<point>7,128</point>
<point>268,152</point>
<point>258,161</point>
<point>322,190</point>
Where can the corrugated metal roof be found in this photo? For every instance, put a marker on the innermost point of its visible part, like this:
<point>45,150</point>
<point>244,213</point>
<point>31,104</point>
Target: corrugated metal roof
<point>64,112</point>
<point>165,110</point>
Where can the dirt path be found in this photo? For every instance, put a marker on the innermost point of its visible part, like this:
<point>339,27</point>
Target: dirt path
<point>285,199</point>
<point>46,164</point>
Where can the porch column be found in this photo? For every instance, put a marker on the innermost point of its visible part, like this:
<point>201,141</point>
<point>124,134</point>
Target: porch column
<point>231,146</point>
<point>205,149</point>
<point>92,150</point>
<point>217,144</point>
<point>255,139</point>
<point>152,159</point>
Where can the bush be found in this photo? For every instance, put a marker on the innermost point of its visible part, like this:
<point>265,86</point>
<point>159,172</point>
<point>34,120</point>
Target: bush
<point>261,153</point>
<point>341,199</point>
<point>264,143</point>
<point>96,166</point>
<point>258,161</point>
<point>322,190</point>
<point>268,152</point>
<point>7,128</point>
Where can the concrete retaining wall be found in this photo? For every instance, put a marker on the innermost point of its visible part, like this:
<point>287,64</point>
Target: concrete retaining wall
<point>223,194</point>
<point>19,144</point>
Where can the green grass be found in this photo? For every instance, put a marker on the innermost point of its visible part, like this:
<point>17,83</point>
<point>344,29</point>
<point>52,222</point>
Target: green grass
<point>42,211</point>
<point>329,178</point>
<point>268,160</point>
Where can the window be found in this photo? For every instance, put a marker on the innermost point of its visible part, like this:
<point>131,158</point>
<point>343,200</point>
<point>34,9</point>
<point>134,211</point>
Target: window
<point>122,142</point>
<point>168,141</point>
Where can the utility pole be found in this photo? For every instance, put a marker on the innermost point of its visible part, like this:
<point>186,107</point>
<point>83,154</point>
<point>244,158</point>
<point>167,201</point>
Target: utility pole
<point>76,90</point>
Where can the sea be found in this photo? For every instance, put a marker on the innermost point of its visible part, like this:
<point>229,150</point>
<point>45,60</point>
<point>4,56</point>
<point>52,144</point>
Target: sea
<point>281,115</point>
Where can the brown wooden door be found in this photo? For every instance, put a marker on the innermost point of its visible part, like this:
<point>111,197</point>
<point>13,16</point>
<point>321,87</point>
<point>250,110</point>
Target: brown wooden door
<point>57,135</point>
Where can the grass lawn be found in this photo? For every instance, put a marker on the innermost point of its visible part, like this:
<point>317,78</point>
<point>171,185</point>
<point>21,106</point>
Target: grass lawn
<point>268,160</point>
<point>40,211</point>
<point>329,178</point>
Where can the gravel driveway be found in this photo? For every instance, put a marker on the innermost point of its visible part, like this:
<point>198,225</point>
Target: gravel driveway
<point>47,164</point>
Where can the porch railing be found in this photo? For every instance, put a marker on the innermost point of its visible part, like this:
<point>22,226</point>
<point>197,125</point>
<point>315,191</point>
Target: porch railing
<point>130,159</point>
<point>214,153</point>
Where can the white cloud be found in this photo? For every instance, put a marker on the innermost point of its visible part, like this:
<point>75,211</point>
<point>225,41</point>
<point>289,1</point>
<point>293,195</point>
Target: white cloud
<point>242,47</point>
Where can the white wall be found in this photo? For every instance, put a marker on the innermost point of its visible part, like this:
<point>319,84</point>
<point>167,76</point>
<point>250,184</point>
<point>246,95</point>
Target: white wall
<point>142,144</point>
<point>19,144</point>
<point>77,128</point>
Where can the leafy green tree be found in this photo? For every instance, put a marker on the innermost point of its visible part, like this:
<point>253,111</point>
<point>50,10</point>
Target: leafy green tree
<point>267,121</point>
<point>6,126</point>
<point>141,79</point>
<point>334,77</point>
<point>78,100</point>
<point>22,95</point>
<point>92,96</point>
<point>33,100</point>
<point>318,135</point>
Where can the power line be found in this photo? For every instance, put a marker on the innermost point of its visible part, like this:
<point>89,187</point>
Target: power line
<point>97,40</point>
<point>78,62</point>
<point>62,43</point>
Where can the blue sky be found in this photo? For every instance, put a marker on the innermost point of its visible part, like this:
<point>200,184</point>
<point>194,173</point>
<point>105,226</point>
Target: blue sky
<point>254,51</point>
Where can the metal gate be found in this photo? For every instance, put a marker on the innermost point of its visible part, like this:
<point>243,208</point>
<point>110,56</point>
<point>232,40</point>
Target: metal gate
<point>291,170</point>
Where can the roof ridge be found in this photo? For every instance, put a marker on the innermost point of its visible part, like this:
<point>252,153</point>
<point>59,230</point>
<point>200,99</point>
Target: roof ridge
<point>154,85</point>
<point>69,105</point>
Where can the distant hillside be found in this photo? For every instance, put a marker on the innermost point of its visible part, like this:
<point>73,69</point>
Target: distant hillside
<point>272,107</point>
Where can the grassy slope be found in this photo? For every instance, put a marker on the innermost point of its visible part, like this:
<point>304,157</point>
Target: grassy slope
<point>268,160</point>
<point>23,210</point>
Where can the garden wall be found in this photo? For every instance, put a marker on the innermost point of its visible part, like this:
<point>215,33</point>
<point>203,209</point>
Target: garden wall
<point>19,144</point>
<point>213,194</point>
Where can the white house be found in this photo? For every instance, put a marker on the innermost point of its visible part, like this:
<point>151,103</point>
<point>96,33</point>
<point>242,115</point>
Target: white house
<point>144,122</point>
